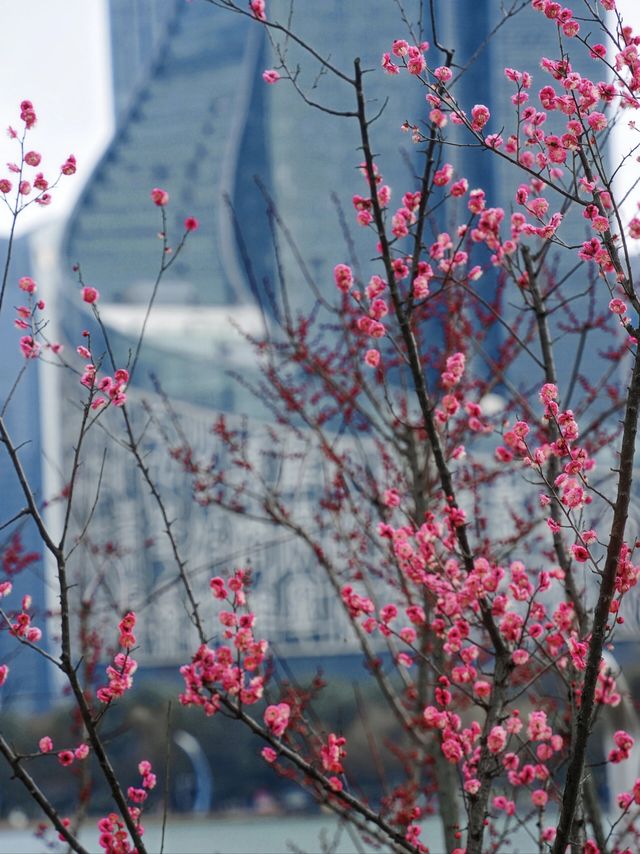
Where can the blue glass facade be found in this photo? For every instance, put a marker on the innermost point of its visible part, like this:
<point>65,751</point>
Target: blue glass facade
<point>30,678</point>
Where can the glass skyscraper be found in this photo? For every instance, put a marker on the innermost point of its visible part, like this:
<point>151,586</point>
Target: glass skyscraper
<point>195,117</point>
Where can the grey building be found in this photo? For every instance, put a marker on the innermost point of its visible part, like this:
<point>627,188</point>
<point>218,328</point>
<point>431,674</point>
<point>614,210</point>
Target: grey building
<point>195,117</point>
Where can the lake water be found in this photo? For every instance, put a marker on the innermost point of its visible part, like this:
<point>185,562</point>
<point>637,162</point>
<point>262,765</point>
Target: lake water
<point>246,835</point>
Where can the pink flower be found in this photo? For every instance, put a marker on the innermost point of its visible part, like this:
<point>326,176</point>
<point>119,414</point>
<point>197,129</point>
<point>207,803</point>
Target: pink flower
<point>332,753</point>
<point>69,166</point>
<point>443,73</point>
<point>623,740</point>
<point>65,757</point>
<point>150,781</point>
<point>268,754</point>
<point>416,64</point>
<point>32,158</point>
<point>597,121</point>
<point>27,114</point>
<point>5,186</point>
<point>343,277</point>
<point>4,672</point>
<point>191,223</point>
<point>617,306</point>
<point>443,176</point>
<point>258,9</point>
<point>372,358</point>
<point>497,739</point>
<point>389,66</point>
<point>580,553</point>
<point>270,75</point>
<point>392,498</point>
<point>27,284</point>
<point>539,798</point>
<point>482,689</point>
<point>138,796</point>
<point>30,348</point>
<point>81,751</point>
<point>548,392</point>
<point>217,588</point>
<point>90,295</point>
<point>472,786</point>
<point>277,718</point>
<point>480,115</point>
<point>400,47</point>
<point>159,197</point>
<point>45,744</point>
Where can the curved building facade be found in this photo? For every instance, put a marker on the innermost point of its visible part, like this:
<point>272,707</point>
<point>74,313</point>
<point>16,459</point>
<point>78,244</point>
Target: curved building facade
<point>195,117</point>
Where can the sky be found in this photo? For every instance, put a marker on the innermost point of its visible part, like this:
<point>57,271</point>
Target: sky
<point>56,54</point>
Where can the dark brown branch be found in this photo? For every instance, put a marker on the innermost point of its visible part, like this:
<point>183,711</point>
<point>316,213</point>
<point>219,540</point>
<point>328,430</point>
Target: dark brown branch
<point>602,614</point>
<point>39,797</point>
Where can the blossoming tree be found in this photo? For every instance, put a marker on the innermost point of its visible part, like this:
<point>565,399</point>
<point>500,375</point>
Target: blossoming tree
<point>485,629</point>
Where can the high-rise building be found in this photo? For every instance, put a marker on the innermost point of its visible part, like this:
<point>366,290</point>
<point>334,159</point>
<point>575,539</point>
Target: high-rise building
<point>194,116</point>
<point>24,399</point>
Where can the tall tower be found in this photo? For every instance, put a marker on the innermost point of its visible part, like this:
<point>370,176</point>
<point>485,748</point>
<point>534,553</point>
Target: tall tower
<point>23,555</point>
<point>195,117</point>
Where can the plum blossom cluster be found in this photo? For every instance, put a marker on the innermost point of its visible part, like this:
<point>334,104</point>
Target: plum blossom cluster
<point>114,837</point>
<point>331,754</point>
<point>30,187</point>
<point>449,258</point>
<point>231,669</point>
<point>120,673</point>
<point>571,486</point>
<point>454,402</point>
<point>139,795</point>
<point>536,634</point>
<point>107,389</point>
<point>585,103</point>
<point>504,741</point>
<point>21,626</point>
<point>624,742</point>
<point>363,204</point>
<point>408,56</point>
<point>29,318</point>
<point>277,717</point>
<point>65,757</point>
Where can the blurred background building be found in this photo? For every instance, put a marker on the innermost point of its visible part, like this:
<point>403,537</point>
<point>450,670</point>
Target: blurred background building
<point>193,115</point>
